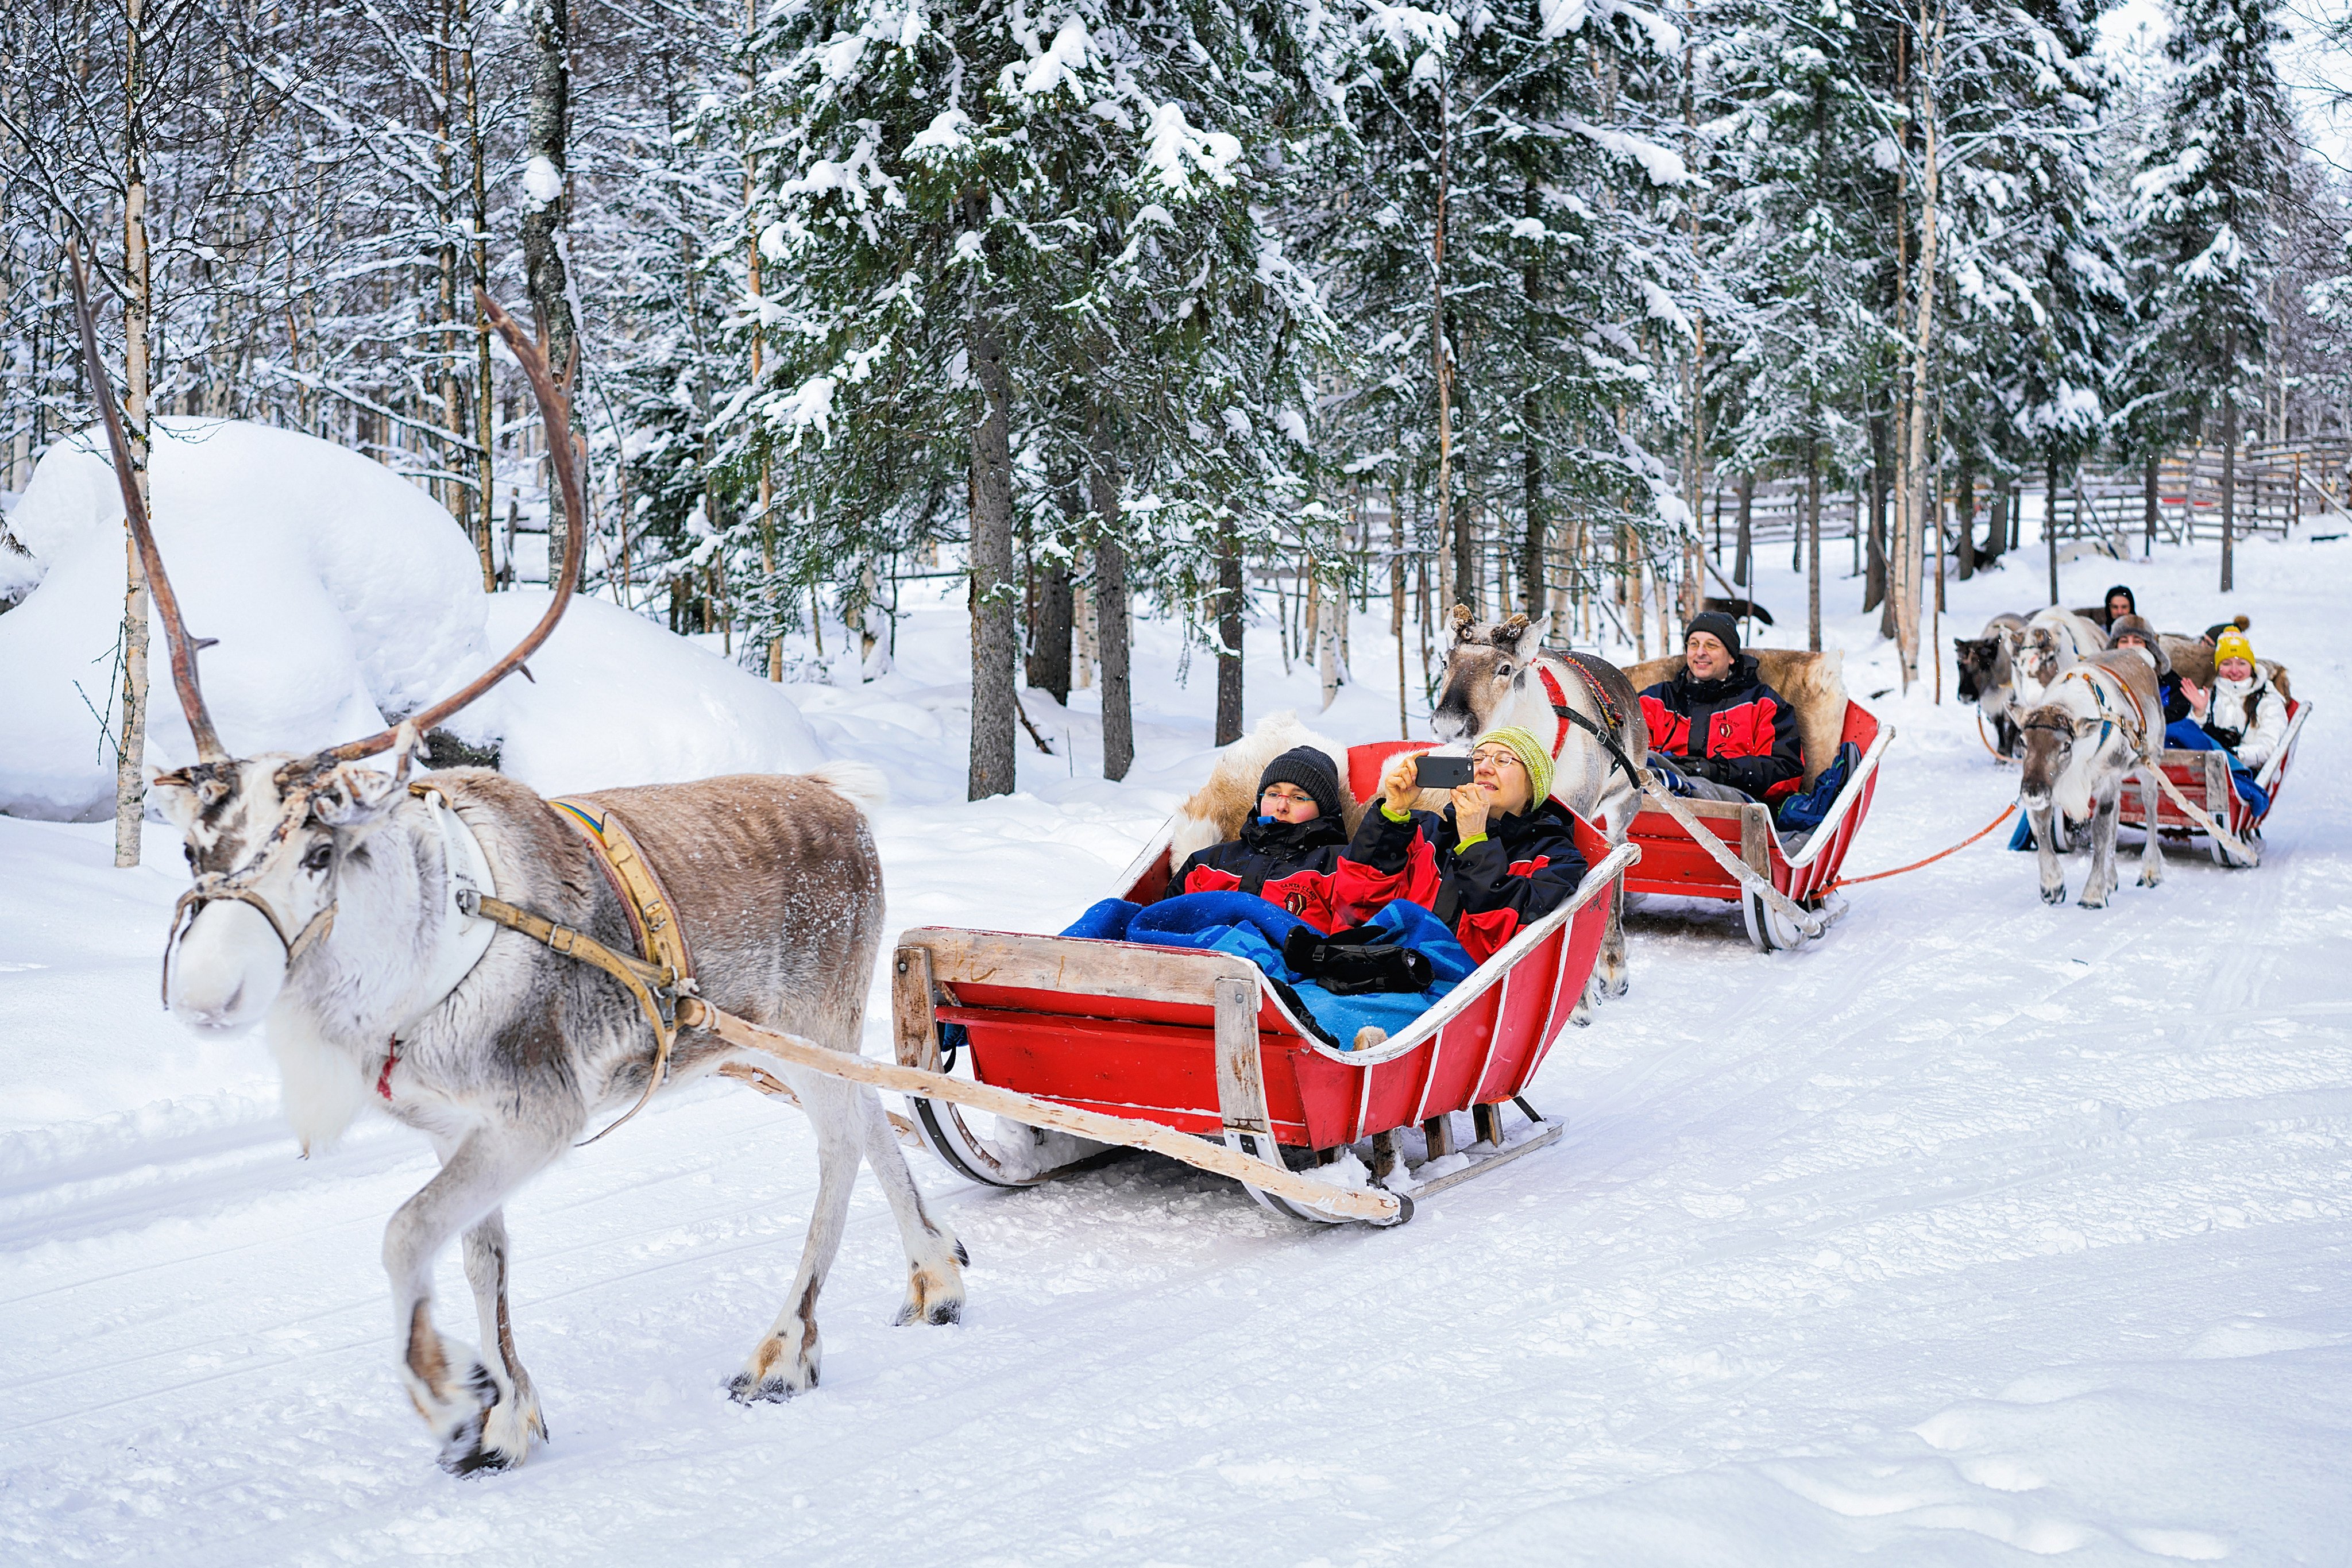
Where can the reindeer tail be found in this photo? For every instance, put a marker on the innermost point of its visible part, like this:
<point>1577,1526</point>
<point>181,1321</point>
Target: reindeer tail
<point>862,785</point>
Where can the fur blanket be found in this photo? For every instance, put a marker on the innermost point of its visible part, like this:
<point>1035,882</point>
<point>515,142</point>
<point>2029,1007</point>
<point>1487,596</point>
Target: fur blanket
<point>1811,683</point>
<point>1218,808</point>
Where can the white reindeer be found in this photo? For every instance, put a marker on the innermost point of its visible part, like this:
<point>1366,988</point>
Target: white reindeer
<point>1498,674</point>
<point>2095,723</point>
<point>338,903</point>
<point>2043,649</point>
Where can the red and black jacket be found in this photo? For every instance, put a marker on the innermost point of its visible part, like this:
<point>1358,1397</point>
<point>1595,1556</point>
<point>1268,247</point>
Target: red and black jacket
<point>1524,869</point>
<point>1284,863</point>
<point>1740,722</point>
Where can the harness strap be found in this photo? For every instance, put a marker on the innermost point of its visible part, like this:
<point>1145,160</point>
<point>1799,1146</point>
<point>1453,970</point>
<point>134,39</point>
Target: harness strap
<point>1567,716</point>
<point>659,937</point>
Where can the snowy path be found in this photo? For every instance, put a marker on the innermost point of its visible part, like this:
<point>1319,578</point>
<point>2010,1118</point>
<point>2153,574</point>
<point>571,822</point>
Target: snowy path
<point>1982,1231</point>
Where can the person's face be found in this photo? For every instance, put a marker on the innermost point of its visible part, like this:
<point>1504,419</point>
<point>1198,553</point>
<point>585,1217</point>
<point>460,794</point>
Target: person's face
<point>1285,801</point>
<point>2119,605</point>
<point>2133,640</point>
<point>1499,771</point>
<point>2236,669</point>
<point>1707,658</point>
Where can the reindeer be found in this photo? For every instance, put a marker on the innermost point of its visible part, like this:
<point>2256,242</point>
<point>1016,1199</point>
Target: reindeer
<point>1984,679</point>
<point>2043,649</point>
<point>2094,723</point>
<point>340,903</point>
<point>1498,674</point>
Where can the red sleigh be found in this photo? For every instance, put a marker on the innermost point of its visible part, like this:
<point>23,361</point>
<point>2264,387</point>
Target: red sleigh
<point>1201,1043</point>
<point>2203,777</point>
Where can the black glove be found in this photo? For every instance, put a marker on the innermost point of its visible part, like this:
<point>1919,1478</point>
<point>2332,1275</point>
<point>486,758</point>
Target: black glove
<point>2225,735</point>
<point>1708,768</point>
<point>1350,963</point>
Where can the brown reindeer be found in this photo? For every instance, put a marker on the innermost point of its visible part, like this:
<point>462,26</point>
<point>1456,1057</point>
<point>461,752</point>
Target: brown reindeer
<point>342,905</point>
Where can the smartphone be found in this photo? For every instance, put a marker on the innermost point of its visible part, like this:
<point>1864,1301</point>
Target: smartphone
<point>1432,772</point>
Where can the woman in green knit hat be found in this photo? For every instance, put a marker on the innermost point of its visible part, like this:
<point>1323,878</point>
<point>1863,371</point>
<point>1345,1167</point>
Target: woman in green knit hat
<point>1501,856</point>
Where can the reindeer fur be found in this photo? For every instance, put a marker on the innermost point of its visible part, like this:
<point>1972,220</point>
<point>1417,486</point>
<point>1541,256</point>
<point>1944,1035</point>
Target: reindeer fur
<point>2078,751</point>
<point>1216,811</point>
<point>1983,663</point>
<point>777,887</point>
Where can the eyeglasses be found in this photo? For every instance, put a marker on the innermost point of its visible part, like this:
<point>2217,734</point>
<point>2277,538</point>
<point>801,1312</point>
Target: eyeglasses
<point>1497,756</point>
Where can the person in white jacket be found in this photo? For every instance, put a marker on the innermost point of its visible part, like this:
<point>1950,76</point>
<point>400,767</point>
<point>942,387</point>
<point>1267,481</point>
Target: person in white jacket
<point>2244,711</point>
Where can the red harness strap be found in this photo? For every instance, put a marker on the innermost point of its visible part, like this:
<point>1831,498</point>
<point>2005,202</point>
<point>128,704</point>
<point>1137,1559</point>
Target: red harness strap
<point>391,1060</point>
<point>1558,706</point>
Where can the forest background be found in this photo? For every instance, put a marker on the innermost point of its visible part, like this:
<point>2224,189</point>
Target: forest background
<point>1235,310</point>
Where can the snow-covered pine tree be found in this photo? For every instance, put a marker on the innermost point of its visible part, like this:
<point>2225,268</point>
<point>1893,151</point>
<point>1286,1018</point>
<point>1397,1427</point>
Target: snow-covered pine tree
<point>2220,161</point>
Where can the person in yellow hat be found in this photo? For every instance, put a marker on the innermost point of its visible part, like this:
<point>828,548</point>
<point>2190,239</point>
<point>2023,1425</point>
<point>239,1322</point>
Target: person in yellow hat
<point>2242,714</point>
<point>1502,854</point>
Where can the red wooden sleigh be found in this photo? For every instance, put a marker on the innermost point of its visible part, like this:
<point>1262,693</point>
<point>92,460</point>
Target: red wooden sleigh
<point>1201,1043</point>
<point>2203,777</point>
<point>1673,862</point>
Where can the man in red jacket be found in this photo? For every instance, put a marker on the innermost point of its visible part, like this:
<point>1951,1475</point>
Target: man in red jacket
<point>1718,728</point>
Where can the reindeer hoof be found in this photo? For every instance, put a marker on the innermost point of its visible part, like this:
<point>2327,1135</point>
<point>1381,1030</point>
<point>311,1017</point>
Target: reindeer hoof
<point>744,1389</point>
<point>2056,895</point>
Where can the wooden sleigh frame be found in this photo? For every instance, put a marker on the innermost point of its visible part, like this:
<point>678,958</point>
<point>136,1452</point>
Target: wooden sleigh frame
<point>1673,864</point>
<point>2203,777</point>
<point>1200,1043</point>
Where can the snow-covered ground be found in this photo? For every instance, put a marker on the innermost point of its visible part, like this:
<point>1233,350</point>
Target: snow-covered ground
<point>1982,1231</point>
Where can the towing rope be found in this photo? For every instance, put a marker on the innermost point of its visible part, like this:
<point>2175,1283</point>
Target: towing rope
<point>2006,813</point>
<point>1987,741</point>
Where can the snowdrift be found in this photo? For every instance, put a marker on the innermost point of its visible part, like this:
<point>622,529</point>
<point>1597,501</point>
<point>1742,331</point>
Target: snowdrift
<point>340,594</point>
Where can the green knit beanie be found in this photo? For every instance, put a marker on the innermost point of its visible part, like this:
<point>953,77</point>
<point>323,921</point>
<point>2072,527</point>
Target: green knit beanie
<point>1532,756</point>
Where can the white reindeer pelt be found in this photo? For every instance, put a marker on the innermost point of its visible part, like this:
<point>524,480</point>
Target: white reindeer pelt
<point>2098,721</point>
<point>1218,808</point>
<point>2049,644</point>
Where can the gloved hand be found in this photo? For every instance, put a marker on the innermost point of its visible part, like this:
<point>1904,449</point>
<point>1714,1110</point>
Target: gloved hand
<point>1708,768</point>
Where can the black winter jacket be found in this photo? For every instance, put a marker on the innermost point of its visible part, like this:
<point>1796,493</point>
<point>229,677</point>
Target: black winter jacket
<point>1286,863</point>
<point>1525,868</point>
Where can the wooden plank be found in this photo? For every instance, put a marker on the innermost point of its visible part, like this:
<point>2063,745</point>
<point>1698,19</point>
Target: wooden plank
<point>1342,1203</point>
<point>1063,964</point>
<point>1488,1122</point>
<point>1528,1145</point>
<point>1756,839</point>
<point>913,1028</point>
<point>1241,1072</point>
<point>1438,1130</point>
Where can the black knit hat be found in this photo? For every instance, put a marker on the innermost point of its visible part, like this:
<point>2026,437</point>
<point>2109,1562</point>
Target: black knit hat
<point>1311,771</point>
<point>2129,597</point>
<point>1717,625</point>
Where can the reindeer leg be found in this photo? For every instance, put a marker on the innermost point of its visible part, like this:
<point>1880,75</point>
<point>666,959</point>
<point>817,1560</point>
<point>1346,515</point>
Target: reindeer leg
<point>2151,849</point>
<point>2045,845</point>
<point>2101,879</point>
<point>788,1358</point>
<point>514,1422</point>
<point>448,1385</point>
<point>934,1256</point>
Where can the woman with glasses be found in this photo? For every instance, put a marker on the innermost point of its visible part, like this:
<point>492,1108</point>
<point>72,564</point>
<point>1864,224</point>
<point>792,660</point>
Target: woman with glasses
<point>1501,856</point>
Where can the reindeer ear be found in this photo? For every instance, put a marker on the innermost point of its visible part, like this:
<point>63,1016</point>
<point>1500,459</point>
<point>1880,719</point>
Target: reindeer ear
<point>174,795</point>
<point>1523,638</point>
<point>351,795</point>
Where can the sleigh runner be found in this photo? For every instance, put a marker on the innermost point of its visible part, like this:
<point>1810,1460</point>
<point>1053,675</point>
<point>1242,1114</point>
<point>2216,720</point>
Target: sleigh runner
<point>1203,1043</point>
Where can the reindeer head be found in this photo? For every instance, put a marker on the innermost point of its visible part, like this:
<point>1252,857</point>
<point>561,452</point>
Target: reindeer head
<point>2035,655</point>
<point>1486,662</point>
<point>1982,667</point>
<point>266,835</point>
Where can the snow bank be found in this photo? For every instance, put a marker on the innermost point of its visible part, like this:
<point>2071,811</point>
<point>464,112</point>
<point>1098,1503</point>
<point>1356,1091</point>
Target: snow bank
<point>339,593</point>
<point>619,700</point>
<point>337,590</point>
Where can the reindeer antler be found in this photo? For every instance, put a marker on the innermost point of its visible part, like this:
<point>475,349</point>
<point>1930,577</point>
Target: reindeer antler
<point>565,456</point>
<point>151,559</point>
<point>1462,619</point>
<point>1513,625</point>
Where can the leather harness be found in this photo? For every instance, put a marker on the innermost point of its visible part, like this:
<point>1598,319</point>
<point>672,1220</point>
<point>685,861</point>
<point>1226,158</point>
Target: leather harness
<point>1567,715</point>
<point>661,972</point>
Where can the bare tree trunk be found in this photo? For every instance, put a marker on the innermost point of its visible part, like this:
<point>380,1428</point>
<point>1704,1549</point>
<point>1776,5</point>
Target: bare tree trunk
<point>2228,456</point>
<point>1229,635</point>
<point>1537,541</point>
<point>994,645</point>
<point>1911,527</point>
<point>1997,533</point>
<point>1049,631</point>
<point>485,393</point>
<point>1964,505</point>
<point>1111,603</point>
<point>1743,548</point>
<point>1439,348</point>
<point>546,214</point>
<point>131,743</point>
<point>2049,515</point>
<point>1874,579</point>
<point>1812,536</point>
<point>2147,501</point>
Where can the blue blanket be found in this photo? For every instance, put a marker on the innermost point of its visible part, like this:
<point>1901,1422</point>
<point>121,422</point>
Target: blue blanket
<point>1249,927</point>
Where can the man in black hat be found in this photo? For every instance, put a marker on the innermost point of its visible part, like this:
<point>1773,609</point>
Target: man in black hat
<point>1289,846</point>
<point>1718,728</point>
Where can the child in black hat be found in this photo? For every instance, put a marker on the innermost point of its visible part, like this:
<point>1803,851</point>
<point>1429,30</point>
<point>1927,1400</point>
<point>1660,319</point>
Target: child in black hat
<point>1289,846</point>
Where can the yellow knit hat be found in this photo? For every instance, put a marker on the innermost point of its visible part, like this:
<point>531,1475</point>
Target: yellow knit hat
<point>1531,754</point>
<point>2232,644</point>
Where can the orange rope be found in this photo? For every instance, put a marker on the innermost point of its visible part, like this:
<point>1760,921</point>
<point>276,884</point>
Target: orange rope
<point>1988,739</point>
<point>2006,813</point>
